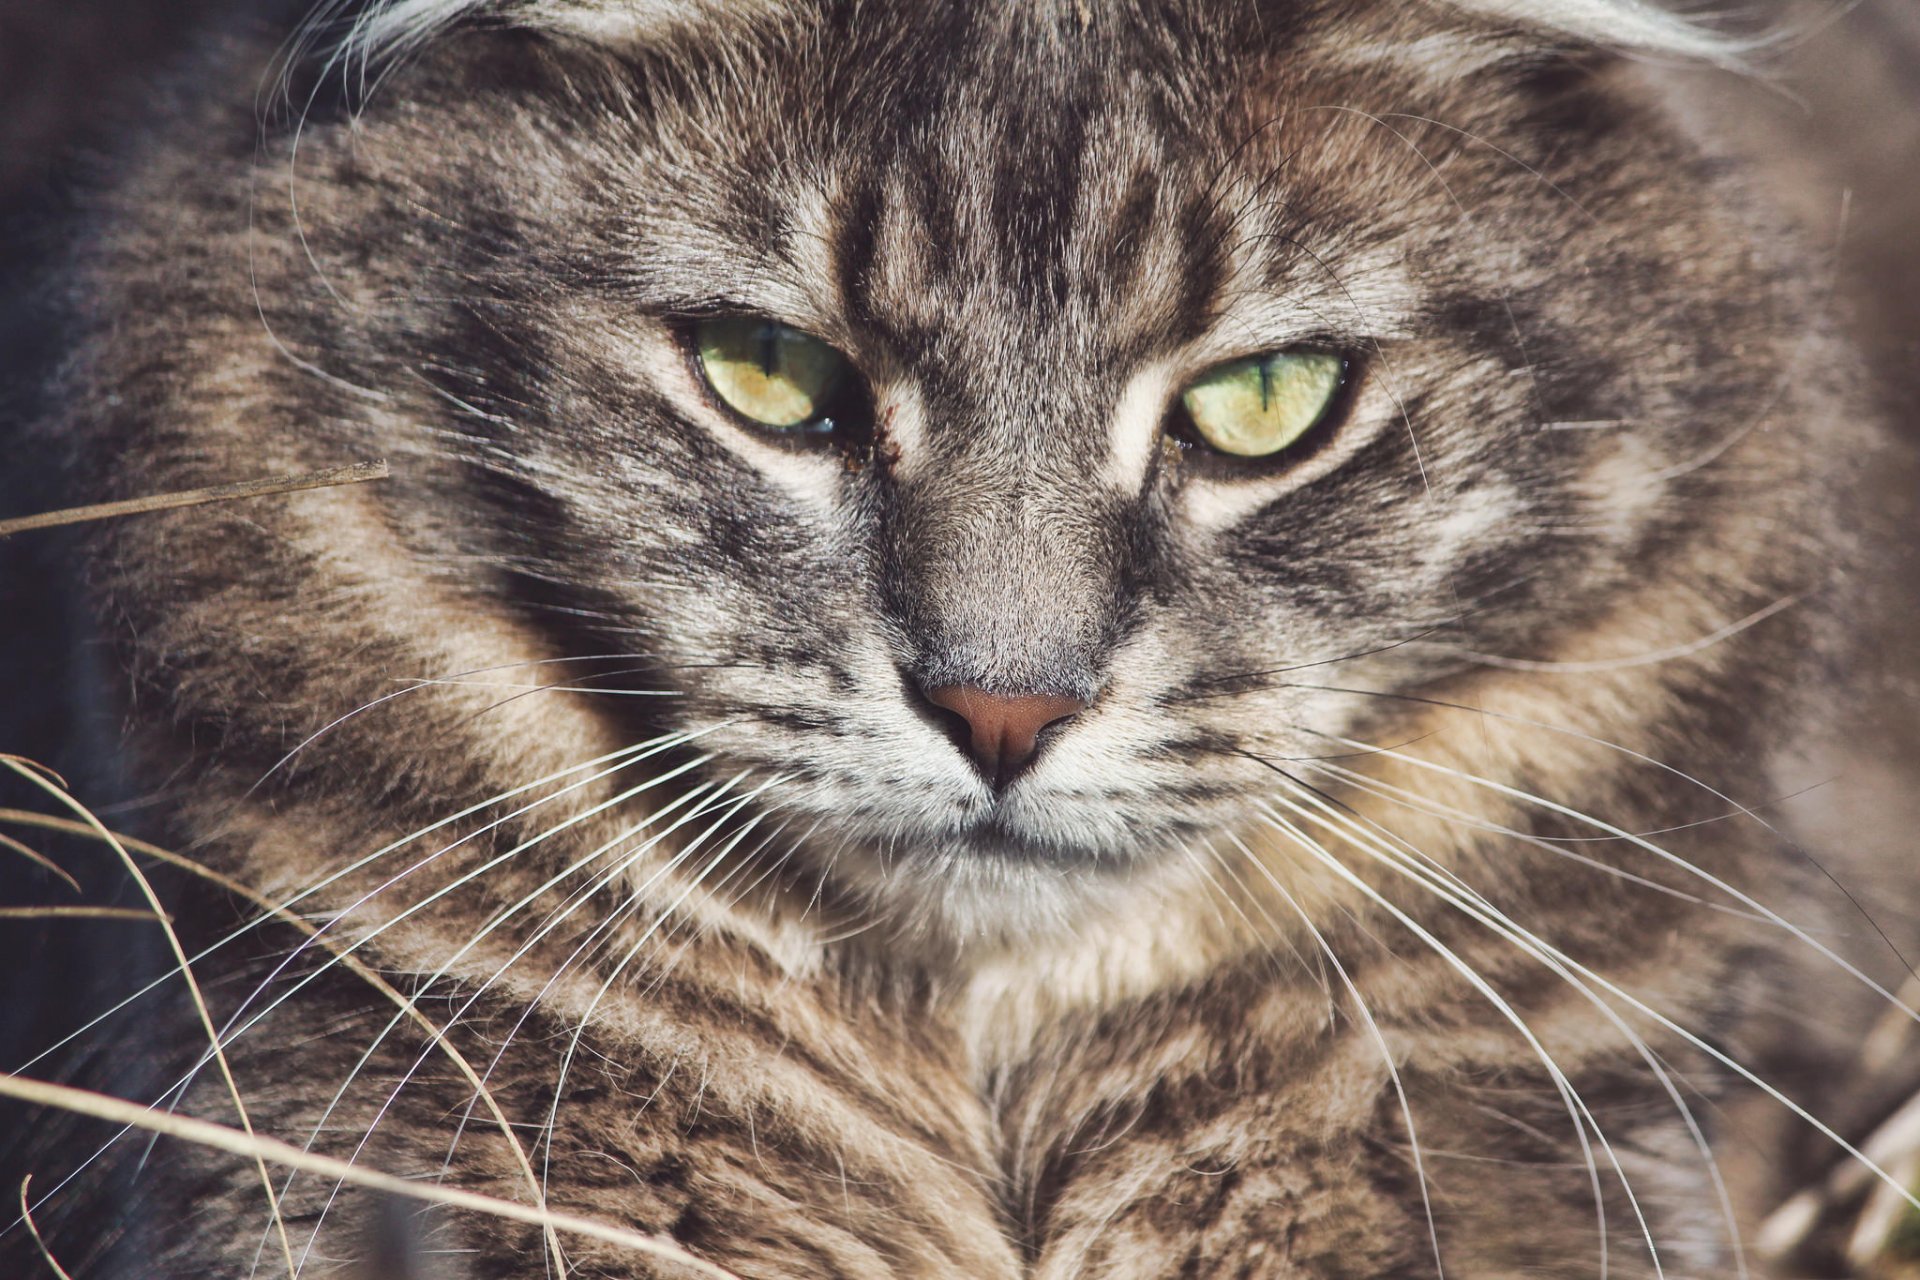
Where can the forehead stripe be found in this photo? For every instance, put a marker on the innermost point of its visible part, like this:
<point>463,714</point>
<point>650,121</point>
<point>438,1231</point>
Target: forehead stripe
<point>856,242</point>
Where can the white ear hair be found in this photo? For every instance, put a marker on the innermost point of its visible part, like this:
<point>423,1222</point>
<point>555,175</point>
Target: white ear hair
<point>1621,24</point>
<point>404,24</point>
<point>394,27</point>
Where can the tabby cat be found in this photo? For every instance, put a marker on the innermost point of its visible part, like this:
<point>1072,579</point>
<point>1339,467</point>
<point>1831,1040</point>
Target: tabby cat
<point>1010,638</point>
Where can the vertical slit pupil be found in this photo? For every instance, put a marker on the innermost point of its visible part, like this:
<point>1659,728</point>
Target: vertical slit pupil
<point>768,343</point>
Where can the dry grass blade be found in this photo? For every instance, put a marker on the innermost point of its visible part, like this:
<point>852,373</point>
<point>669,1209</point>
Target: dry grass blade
<point>35,767</point>
<point>33,1229</point>
<point>1845,1210</point>
<point>38,778</point>
<point>80,913</point>
<point>39,859</point>
<point>358,473</point>
<point>68,826</point>
<point>220,1137</point>
<point>1886,1234</point>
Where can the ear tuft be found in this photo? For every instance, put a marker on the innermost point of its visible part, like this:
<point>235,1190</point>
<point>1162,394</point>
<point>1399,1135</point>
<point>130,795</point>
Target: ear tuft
<point>1630,26</point>
<point>380,31</point>
<point>391,28</point>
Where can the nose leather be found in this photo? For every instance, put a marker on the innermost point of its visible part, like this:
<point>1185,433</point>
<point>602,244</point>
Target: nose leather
<point>1003,731</point>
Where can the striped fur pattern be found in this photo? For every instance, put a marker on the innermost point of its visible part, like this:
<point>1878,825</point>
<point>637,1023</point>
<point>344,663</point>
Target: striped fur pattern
<point>1397,908</point>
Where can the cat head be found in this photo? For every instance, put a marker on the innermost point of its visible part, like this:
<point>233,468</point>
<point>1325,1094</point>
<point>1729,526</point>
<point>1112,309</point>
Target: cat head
<point>1005,438</point>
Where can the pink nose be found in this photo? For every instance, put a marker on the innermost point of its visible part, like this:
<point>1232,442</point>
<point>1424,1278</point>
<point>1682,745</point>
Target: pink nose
<point>1003,732</point>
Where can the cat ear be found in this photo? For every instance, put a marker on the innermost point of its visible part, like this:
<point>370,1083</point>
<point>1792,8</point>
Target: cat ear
<point>1621,26</point>
<point>368,32</point>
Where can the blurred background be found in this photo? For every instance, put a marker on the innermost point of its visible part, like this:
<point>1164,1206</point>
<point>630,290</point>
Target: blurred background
<point>1829,121</point>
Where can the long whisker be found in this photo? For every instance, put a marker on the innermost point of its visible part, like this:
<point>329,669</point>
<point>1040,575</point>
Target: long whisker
<point>520,690</point>
<point>639,945</point>
<point>1649,659</point>
<point>1743,810</point>
<point>289,904</point>
<point>636,898</point>
<point>458,883</point>
<point>619,913</point>
<point>1897,1185</point>
<point>178,1088</point>
<point>415,685</point>
<point>1220,896</point>
<point>230,1032</point>
<point>499,919</point>
<point>768,867</point>
<point>436,1035</point>
<point>1412,800</point>
<point>1379,1040</point>
<point>1641,842</point>
<point>506,914</point>
<point>579,899</point>
<point>185,969</point>
<point>1745,1073</point>
<point>1583,1119</point>
<point>707,801</point>
<point>1274,929</point>
<point>1430,874</point>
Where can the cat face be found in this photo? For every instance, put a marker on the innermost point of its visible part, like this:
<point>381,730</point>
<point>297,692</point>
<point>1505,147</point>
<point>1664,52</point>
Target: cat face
<point>1009,437</point>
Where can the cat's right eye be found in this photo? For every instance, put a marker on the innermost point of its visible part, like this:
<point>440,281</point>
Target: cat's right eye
<point>769,373</point>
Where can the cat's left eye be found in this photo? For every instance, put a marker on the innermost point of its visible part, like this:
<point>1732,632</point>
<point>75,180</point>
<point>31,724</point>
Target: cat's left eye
<point>1256,407</point>
<point>768,372</point>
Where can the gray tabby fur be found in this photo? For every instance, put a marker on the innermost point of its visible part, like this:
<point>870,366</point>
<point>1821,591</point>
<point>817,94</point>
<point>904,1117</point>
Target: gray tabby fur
<point>1236,980</point>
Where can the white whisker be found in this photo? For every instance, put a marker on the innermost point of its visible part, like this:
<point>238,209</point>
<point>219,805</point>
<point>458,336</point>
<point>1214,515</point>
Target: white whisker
<point>1379,1040</point>
<point>648,748</point>
<point>499,920</point>
<point>1582,1118</point>
<point>1641,842</point>
<point>1448,886</point>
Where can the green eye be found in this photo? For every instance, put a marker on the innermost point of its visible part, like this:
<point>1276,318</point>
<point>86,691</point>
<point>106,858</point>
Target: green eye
<point>767,371</point>
<point>1256,407</point>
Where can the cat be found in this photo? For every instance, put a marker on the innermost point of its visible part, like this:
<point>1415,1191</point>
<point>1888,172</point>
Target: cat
<point>1006,639</point>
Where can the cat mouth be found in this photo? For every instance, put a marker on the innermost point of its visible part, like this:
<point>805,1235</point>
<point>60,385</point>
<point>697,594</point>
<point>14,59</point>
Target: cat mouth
<point>998,838</point>
<point>999,834</point>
